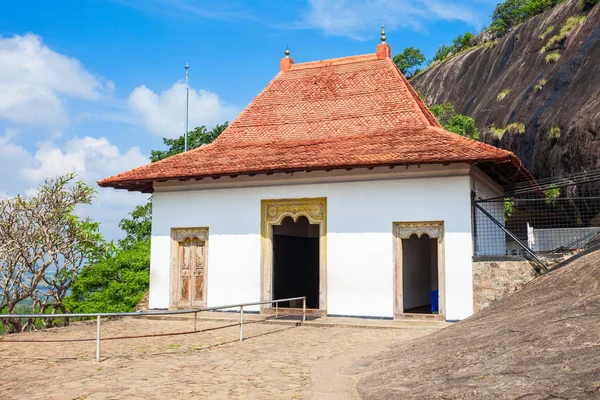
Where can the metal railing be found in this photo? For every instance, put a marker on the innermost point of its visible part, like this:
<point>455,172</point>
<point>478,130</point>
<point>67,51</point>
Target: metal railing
<point>194,311</point>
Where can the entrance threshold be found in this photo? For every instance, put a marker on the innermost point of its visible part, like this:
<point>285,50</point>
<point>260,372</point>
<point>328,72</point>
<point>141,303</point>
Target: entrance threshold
<point>417,316</point>
<point>285,311</point>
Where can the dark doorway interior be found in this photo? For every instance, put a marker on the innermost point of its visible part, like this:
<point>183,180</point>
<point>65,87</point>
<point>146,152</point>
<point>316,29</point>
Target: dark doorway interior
<point>419,274</point>
<point>296,262</point>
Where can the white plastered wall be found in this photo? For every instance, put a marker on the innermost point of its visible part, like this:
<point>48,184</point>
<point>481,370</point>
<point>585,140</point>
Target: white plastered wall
<point>360,261</point>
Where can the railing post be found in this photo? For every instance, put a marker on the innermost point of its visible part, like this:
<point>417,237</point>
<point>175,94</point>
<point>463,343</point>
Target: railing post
<point>304,309</point>
<point>98,338</point>
<point>241,323</point>
<point>195,320</point>
<point>276,308</point>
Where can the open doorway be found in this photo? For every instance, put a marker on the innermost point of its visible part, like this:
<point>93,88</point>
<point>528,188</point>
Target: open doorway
<point>420,275</point>
<point>296,262</point>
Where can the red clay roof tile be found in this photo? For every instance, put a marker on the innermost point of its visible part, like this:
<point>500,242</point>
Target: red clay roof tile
<point>343,113</point>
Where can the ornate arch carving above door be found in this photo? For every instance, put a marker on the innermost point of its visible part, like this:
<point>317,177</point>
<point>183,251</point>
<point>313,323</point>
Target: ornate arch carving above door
<point>404,230</point>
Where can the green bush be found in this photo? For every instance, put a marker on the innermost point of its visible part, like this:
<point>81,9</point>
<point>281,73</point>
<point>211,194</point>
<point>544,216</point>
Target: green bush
<point>546,32</point>
<point>554,132</point>
<point>115,284</point>
<point>502,94</point>
<point>540,85</point>
<point>457,123</point>
<point>442,53</point>
<point>565,30</point>
<point>516,128</point>
<point>463,42</point>
<point>513,12</point>
<point>552,57</point>
<point>497,132</point>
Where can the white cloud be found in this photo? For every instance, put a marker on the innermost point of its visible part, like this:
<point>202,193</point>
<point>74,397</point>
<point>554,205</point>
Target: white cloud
<point>164,114</point>
<point>34,79</point>
<point>358,19</point>
<point>92,159</point>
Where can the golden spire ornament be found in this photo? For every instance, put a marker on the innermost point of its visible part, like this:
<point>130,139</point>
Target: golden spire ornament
<point>382,34</point>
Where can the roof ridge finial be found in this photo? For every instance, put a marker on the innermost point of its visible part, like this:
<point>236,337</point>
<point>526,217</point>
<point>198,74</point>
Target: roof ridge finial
<point>287,51</point>
<point>382,34</point>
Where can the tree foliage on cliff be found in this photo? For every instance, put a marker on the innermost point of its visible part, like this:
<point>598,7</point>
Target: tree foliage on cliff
<point>409,60</point>
<point>505,16</point>
<point>44,246</point>
<point>452,121</point>
<point>513,12</point>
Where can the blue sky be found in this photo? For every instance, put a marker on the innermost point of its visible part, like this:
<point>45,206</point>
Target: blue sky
<point>93,85</point>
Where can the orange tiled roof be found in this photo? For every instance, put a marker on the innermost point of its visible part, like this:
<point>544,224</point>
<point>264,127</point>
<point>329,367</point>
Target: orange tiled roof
<point>342,113</point>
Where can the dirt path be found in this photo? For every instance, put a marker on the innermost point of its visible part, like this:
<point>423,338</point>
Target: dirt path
<point>275,362</point>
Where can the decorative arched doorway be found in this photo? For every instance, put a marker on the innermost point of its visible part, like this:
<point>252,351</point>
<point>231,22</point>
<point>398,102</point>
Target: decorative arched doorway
<point>298,219</point>
<point>419,267</point>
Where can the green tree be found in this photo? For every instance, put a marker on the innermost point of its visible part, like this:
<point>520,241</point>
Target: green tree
<point>409,60</point>
<point>118,283</point>
<point>442,53</point>
<point>44,246</point>
<point>535,7</point>
<point>139,227</point>
<point>115,284</point>
<point>452,121</point>
<point>508,14</point>
<point>196,138</point>
<point>463,42</point>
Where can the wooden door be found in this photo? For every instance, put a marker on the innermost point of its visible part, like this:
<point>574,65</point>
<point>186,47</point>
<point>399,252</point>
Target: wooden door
<point>191,265</point>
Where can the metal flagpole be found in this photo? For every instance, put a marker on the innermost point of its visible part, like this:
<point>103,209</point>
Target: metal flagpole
<point>187,103</point>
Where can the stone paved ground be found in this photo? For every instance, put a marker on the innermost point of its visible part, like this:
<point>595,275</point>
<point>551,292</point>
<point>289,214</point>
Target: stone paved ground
<point>274,362</point>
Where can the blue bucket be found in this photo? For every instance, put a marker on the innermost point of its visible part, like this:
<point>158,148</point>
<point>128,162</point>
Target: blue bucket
<point>434,301</point>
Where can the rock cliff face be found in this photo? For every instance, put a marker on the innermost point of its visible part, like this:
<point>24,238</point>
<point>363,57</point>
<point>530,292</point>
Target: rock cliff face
<point>550,106</point>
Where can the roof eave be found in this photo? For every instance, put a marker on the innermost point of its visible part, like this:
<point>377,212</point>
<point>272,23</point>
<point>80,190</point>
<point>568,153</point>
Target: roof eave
<point>146,185</point>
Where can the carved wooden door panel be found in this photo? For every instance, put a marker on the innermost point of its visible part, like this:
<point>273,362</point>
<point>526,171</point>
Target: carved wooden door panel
<point>198,274</point>
<point>191,265</point>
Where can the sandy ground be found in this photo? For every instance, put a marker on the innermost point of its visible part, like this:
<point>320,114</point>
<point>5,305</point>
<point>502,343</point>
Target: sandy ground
<point>274,362</point>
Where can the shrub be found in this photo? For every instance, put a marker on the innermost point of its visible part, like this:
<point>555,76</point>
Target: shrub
<point>554,132</point>
<point>115,284</point>
<point>496,132</point>
<point>552,57</point>
<point>516,128</point>
<point>565,30</point>
<point>546,32</point>
<point>463,42</point>
<point>502,94</point>
<point>442,53</point>
<point>457,123</point>
<point>540,85</point>
<point>490,44</point>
